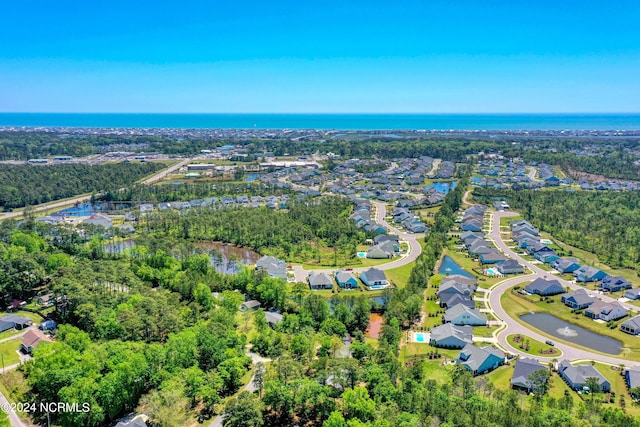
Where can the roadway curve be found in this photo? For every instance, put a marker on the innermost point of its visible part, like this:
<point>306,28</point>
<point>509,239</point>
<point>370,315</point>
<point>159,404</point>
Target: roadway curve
<point>82,199</point>
<point>412,254</point>
<point>512,326</point>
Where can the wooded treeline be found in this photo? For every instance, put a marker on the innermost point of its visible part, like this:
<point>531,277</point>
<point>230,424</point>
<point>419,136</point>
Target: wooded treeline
<point>606,223</point>
<point>23,185</point>
<point>300,232</point>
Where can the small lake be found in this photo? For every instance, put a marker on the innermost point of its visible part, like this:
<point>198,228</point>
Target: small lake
<point>443,187</point>
<point>252,177</point>
<point>228,259</point>
<point>448,266</point>
<point>85,209</point>
<point>572,333</point>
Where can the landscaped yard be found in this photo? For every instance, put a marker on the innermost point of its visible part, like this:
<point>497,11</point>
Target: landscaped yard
<point>535,347</point>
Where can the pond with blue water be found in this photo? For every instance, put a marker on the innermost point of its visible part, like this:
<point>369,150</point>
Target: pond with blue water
<point>448,266</point>
<point>85,209</point>
<point>573,333</point>
<point>252,177</point>
<point>443,187</point>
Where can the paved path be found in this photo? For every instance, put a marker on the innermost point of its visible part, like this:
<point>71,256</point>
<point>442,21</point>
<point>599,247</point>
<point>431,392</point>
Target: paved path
<point>256,358</point>
<point>83,199</point>
<point>410,238</point>
<point>512,326</point>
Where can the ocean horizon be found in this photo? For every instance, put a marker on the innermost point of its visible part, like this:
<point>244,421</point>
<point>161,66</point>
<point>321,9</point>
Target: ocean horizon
<point>333,121</point>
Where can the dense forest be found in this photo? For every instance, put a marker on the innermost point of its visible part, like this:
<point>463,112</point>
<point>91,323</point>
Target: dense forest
<point>605,223</point>
<point>193,190</point>
<point>23,185</point>
<point>297,234</point>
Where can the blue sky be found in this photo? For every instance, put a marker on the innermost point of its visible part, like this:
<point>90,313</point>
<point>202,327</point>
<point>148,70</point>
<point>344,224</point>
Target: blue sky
<point>285,56</point>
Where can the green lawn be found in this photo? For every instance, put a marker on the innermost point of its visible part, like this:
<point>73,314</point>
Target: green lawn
<point>535,347</point>
<point>515,306</point>
<point>8,350</point>
<point>501,377</point>
<point>505,221</point>
<point>483,331</point>
<point>400,276</point>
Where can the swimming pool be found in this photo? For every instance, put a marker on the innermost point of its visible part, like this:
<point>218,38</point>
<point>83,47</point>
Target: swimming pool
<point>362,254</point>
<point>492,272</point>
<point>374,287</point>
<point>421,336</point>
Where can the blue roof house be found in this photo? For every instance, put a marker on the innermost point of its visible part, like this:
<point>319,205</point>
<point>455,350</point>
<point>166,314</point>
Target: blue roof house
<point>480,360</point>
<point>586,273</point>
<point>566,265</point>
<point>346,280</point>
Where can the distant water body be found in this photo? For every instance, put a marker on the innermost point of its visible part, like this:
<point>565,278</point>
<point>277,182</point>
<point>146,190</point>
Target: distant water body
<point>443,122</point>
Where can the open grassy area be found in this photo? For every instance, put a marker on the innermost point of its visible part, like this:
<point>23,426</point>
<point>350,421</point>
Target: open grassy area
<point>535,347</point>
<point>618,386</point>
<point>400,276</point>
<point>9,351</point>
<point>501,377</point>
<point>505,221</point>
<point>515,306</point>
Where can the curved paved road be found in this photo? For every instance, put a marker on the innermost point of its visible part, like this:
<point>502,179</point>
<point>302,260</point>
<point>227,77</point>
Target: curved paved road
<point>512,326</point>
<point>412,253</point>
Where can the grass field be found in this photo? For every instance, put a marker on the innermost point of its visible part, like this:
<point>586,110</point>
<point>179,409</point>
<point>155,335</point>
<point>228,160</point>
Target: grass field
<point>9,351</point>
<point>535,347</point>
<point>515,306</point>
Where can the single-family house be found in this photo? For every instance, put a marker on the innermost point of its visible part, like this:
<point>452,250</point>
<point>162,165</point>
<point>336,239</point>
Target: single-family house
<point>577,300</point>
<point>586,273</point>
<point>492,258</point>
<point>545,256</point>
<point>48,325</point>
<point>460,314</point>
<point>452,287</point>
<point>527,228</point>
<point>99,220</point>
<point>14,322</point>
<point>31,339</point>
<point>250,305</point>
<point>633,294</point>
<point>373,278</point>
<point>606,311</point>
<point>469,236</point>
<point>320,280</point>
<point>137,421</point>
<point>544,287</point>
<point>472,225</point>
<point>520,379</point>
<point>273,266</point>
<point>452,300</point>
<point>480,360</point>
<point>614,284</point>
<point>395,240</point>
<point>45,300</point>
<point>451,336</point>
<point>632,379</point>
<point>382,250</point>
<point>346,280</point>
<point>576,376</point>
<point>631,326</point>
<point>509,266</point>
<point>566,265</point>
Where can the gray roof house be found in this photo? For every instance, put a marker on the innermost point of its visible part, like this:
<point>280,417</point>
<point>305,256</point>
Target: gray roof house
<point>451,287</point>
<point>460,314</point>
<point>614,284</point>
<point>320,280</point>
<point>633,293</point>
<point>606,311</point>
<point>632,378</point>
<point>17,322</point>
<point>631,326</point>
<point>480,360</point>
<point>544,287</point>
<point>374,278</point>
<point>576,376</point>
<point>578,300</point>
<point>566,265</point>
<point>451,300</point>
<point>451,336</point>
<point>273,266</point>
<point>509,266</point>
<point>382,250</point>
<point>100,220</point>
<point>522,370</point>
